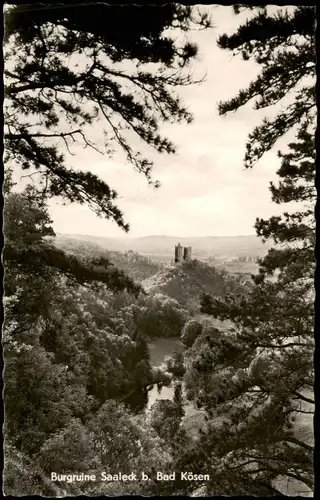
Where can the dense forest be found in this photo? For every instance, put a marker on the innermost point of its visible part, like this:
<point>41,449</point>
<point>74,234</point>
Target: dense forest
<point>79,322</point>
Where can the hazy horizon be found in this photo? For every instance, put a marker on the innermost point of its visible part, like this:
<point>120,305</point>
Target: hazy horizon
<point>127,236</point>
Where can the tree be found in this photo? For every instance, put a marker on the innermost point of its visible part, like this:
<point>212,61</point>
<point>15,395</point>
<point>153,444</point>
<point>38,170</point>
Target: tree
<point>191,331</point>
<point>155,316</point>
<point>65,71</point>
<point>256,381</point>
<point>175,364</point>
<point>166,417</point>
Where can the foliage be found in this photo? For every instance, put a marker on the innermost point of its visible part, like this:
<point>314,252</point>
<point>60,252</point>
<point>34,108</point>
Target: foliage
<point>162,317</point>
<point>22,475</point>
<point>152,316</point>
<point>294,230</point>
<point>73,354</point>
<point>268,368</point>
<point>164,418</point>
<point>175,364</point>
<point>191,331</point>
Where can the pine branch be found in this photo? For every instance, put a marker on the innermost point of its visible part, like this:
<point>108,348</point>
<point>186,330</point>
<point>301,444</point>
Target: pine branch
<point>23,135</point>
<point>304,398</point>
<point>298,443</point>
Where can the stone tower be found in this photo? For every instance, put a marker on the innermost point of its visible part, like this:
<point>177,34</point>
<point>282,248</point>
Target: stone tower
<point>182,253</point>
<point>187,253</point>
<point>178,253</point>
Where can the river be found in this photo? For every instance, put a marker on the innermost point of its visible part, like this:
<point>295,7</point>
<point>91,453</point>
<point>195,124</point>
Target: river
<point>160,349</point>
<point>140,401</point>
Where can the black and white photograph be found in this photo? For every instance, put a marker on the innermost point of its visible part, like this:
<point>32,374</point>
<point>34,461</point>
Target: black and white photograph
<point>159,249</point>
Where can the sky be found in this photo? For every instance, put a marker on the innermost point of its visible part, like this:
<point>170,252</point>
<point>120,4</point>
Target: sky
<point>205,190</point>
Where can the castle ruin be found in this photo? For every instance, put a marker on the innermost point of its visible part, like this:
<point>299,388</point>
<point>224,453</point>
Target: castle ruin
<point>182,253</point>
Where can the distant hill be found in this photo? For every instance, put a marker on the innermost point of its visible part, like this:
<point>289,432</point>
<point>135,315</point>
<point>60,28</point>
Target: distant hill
<point>138,267</point>
<point>184,282</point>
<point>162,247</point>
<point>240,265</point>
<point>187,281</point>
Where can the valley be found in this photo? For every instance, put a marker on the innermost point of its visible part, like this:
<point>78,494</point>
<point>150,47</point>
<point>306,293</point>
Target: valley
<point>159,277</point>
<point>162,246</point>
<point>218,266</point>
<point>236,254</point>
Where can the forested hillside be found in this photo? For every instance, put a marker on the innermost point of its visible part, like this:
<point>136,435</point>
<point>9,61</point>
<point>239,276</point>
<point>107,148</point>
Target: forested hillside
<point>134,265</point>
<point>161,247</point>
<point>73,354</point>
<point>76,351</point>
